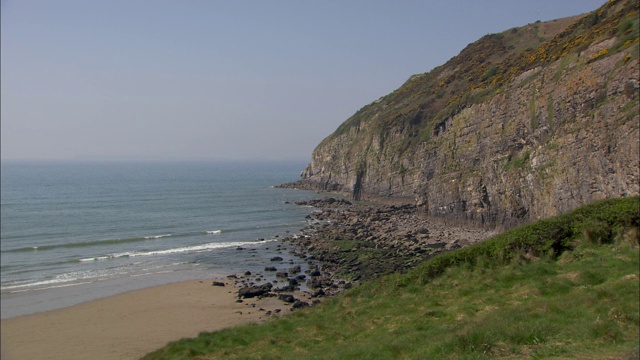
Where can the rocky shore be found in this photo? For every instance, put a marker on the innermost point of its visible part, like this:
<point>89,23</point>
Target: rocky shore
<point>347,242</point>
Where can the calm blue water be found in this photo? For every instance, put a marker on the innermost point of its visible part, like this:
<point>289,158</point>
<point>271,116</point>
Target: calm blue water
<point>88,227</point>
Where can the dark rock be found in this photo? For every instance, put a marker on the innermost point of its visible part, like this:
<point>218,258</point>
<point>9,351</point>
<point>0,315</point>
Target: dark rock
<point>276,258</point>
<point>247,273</point>
<point>283,274</point>
<point>254,291</point>
<point>315,273</point>
<point>318,293</point>
<point>286,298</point>
<point>270,268</point>
<point>315,283</point>
<point>217,283</point>
<point>299,304</point>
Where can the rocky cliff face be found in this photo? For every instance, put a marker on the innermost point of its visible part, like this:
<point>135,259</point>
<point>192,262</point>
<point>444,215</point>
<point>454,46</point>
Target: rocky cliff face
<point>519,126</point>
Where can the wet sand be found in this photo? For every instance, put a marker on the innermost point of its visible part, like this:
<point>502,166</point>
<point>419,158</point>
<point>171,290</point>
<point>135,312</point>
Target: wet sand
<point>132,324</point>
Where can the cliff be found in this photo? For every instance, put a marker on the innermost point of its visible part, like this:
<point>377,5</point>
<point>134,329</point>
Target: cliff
<point>521,125</point>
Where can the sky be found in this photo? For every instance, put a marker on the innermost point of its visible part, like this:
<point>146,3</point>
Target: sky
<point>206,80</point>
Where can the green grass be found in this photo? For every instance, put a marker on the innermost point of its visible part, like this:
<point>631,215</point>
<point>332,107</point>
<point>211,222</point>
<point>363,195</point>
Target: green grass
<point>565,287</point>
<point>517,163</point>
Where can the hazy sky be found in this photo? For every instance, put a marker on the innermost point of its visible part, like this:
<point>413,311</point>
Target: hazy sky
<point>153,79</point>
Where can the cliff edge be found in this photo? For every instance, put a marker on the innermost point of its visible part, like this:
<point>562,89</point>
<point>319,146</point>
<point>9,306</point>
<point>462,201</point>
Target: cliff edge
<point>521,125</point>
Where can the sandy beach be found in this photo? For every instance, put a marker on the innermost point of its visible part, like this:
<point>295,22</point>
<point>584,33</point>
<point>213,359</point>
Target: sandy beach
<point>132,324</point>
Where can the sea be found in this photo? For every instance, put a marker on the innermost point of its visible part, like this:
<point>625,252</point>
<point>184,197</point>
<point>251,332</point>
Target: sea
<point>78,231</point>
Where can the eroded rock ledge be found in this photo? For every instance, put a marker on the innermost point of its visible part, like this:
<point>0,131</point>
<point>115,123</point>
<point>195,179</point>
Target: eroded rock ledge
<point>360,241</point>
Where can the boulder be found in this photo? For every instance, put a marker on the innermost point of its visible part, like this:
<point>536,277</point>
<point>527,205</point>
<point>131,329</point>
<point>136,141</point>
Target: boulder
<point>299,304</point>
<point>318,293</point>
<point>254,291</point>
<point>287,298</point>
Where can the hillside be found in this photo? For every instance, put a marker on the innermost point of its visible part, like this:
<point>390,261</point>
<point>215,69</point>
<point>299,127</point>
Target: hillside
<point>536,130</point>
<point>521,125</point>
<point>565,287</point>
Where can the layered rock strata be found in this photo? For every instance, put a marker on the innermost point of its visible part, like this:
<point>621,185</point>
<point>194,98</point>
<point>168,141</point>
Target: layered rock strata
<point>508,132</point>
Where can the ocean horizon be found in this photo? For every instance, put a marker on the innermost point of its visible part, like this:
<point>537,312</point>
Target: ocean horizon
<point>74,231</point>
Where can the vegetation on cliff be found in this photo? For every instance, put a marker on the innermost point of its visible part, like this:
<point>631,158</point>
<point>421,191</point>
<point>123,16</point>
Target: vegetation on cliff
<point>520,126</point>
<point>564,287</point>
<point>485,66</point>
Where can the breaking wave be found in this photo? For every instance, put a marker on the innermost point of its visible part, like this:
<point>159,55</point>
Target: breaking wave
<point>183,249</point>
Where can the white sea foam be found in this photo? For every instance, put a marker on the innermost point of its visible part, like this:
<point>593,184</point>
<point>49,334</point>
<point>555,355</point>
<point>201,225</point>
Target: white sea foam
<point>97,258</point>
<point>184,249</point>
<point>152,273</point>
<point>67,279</point>
<point>157,236</point>
<point>58,281</point>
<point>214,231</point>
<point>42,288</point>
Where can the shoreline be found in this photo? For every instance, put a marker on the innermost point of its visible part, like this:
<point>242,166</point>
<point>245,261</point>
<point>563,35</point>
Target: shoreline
<point>343,244</point>
<point>34,301</point>
<point>131,324</point>
<point>255,256</point>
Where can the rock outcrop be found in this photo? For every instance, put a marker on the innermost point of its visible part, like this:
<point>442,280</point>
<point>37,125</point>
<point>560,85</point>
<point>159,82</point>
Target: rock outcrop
<point>364,241</point>
<point>521,125</point>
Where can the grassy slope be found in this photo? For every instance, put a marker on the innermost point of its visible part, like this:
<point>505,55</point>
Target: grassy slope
<point>566,287</point>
